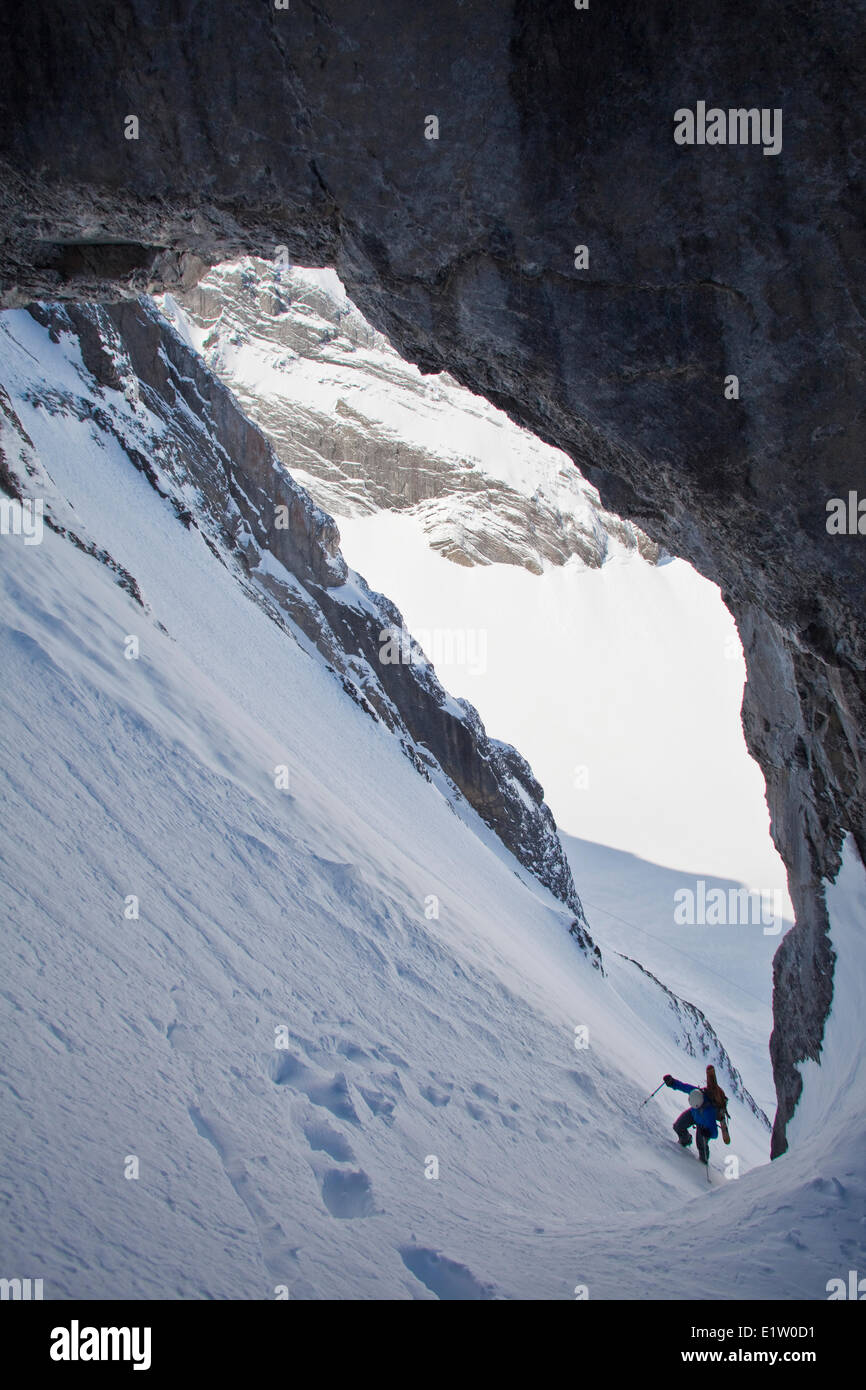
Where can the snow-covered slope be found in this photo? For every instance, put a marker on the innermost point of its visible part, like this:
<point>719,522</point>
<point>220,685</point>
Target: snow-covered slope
<point>622,685</point>
<point>619,677</point>
<point>318,1036</point>
<point>282,1001</point>
<point>122,377</point>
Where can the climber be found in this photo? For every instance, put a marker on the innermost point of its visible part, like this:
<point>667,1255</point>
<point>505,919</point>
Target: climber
<point>701,1113</point>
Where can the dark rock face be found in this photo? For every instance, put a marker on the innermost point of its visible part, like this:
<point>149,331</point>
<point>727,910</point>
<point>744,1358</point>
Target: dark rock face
<point>305,128</point>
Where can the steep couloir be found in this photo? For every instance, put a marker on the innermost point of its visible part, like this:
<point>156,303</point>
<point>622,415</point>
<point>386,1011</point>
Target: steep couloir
<point>500,189</point>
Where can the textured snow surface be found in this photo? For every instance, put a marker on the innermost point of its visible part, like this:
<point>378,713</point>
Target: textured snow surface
<point>406,1036</point>
<point>621,683</point>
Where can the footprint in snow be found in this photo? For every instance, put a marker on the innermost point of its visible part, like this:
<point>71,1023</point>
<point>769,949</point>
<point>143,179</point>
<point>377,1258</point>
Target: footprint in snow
<point>379,1103</point>
<point>475,1111</point>
<point>347,1196</point>
<point>435,1096</point>
<point>327,1140</point>
<point>330,1092</point>
<point>445,1278</point>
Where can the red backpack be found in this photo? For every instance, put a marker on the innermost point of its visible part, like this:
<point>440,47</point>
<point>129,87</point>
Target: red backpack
<point>716,1096</point>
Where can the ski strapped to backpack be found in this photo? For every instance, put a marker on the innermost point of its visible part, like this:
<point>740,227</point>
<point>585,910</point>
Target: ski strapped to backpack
<point>716,1096</point>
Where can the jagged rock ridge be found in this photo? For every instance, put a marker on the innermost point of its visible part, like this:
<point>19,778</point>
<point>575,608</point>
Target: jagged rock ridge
<point>699,1039</point>
<point>363,430</point>
<point>177,424</point>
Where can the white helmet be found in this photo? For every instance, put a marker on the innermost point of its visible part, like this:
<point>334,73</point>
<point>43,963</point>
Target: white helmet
<point>696,1099</point>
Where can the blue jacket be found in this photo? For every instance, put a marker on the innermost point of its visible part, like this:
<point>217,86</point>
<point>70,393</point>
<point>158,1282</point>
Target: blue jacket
<point>707,1115</point>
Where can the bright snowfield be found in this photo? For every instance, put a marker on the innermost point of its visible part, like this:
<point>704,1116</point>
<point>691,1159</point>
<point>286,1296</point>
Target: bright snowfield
<point>622,685</point>
<point>639,662</point>
<point>408,1037</point>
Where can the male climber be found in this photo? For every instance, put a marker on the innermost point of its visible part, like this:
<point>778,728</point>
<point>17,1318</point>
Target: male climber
<point>701,1113</point>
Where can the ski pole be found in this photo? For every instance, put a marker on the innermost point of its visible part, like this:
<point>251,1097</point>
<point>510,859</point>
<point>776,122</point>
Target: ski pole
<point>650,1096</point>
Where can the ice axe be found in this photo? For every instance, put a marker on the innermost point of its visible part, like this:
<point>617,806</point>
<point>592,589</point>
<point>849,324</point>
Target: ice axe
<point>651,1096</point>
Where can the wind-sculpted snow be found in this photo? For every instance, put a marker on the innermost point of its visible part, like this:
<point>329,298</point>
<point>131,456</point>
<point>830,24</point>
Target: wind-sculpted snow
<point>557,138</point>
<point>326,1090</point>
<point>320,1035</point>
